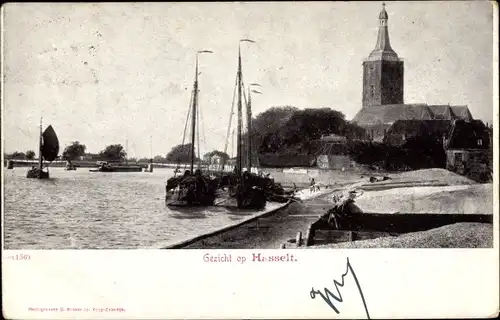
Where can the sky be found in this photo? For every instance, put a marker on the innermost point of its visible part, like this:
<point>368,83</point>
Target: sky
<point>123,73</point>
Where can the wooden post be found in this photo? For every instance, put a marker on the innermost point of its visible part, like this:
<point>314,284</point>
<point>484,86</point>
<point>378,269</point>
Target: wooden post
<point>310,236</point>
<point>350,236</point>
<point>298,239</point>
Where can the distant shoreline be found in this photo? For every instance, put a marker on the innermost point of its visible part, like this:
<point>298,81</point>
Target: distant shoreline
<point>81,164</point>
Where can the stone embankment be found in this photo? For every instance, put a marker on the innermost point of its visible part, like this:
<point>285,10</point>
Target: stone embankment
<point>427,193</point>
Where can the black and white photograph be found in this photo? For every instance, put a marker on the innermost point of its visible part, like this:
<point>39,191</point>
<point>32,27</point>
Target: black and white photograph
<point>321,160</point>
<point>334,125</point>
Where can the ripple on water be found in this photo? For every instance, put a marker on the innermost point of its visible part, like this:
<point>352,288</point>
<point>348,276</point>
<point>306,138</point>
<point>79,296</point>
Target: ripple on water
<point>84,210</point>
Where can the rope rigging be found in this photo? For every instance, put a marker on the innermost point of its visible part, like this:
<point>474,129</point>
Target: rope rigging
<point>244,126</point>
<point>198,133</point>
<point>184,134</point>
<point>202,124</point>
<point>230,121</point>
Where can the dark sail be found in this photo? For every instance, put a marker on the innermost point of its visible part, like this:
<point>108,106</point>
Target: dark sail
<point>50,147</point>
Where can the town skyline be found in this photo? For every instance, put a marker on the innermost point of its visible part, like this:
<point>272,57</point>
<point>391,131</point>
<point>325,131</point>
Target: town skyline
<point>78,69</point>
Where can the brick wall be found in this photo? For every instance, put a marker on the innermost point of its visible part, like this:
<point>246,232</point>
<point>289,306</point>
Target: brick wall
<point>383,82</point>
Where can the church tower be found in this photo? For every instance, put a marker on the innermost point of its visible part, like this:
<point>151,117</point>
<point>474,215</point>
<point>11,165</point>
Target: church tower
<point>383,70</point>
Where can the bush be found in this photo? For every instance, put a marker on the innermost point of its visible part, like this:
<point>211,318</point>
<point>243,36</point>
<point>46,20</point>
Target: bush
<point>414,154</point>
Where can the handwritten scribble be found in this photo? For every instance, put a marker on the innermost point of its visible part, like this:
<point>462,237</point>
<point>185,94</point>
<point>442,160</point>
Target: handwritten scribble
<point>327,295</point>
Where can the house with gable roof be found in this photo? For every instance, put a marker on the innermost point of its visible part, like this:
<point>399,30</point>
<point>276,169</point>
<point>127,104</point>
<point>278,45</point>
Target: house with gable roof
<point>468,149</point>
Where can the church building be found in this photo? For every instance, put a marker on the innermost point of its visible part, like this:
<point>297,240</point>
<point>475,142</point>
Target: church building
<point>383,91</point>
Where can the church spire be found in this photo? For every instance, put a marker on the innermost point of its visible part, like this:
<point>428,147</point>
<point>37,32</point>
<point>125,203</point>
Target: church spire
<point>383,50</point>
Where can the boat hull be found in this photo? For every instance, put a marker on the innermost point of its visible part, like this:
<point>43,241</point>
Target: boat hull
<point>37,174</point>
<point>118,169</point>
<point>180,198</point>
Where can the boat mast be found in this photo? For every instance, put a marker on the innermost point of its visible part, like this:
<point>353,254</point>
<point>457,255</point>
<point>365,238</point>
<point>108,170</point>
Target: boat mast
<point>249,132</point>
<point>194,110</point>
<point>240,120</point>
<point>232,145</point>
<point>40,161</point>
<point>239,154</point>
<point>193,116</point>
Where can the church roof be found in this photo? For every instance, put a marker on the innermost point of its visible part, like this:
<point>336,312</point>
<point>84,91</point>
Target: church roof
<point>391,112</point>
<point>461,112</point>
<point>388,114</point>
<point>441,112</point>
<point>421,127</point>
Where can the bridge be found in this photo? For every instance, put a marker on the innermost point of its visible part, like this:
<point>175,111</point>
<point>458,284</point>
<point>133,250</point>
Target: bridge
<point>93,164</point>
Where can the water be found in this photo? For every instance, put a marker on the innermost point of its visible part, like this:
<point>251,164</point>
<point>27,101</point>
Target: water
<point>87,210</point>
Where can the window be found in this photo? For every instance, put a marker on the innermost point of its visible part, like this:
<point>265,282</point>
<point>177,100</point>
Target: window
<point>479,142</point>
<point>372,92</point>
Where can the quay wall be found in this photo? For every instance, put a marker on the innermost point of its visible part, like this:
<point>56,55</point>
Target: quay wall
<point>187,242</point>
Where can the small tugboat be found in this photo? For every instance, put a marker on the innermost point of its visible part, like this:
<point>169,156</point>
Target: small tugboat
<point>105,166</point>
<point>48,151</point>
<point>117,166</point>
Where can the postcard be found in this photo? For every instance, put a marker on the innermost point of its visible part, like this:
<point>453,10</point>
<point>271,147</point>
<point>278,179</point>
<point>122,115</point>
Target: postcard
<point>250,160</point>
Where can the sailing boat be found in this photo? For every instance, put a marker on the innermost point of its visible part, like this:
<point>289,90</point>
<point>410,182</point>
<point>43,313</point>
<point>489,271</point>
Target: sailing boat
<point>250,190</point>
<point>192,188</point>
<point>48,151</point>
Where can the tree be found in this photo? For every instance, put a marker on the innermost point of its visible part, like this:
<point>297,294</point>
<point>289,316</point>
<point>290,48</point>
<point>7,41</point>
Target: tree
<point>180,154</point>
<point>17,155</point>
<point>30,155</point>
<point>311,124</point>
<point>159,159</point>
<point>272,119</point>
<point>114,152</point>
<point>304,126</point>
<point>224,156</point>
<point>267,123</point>
<point>74,151</point>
